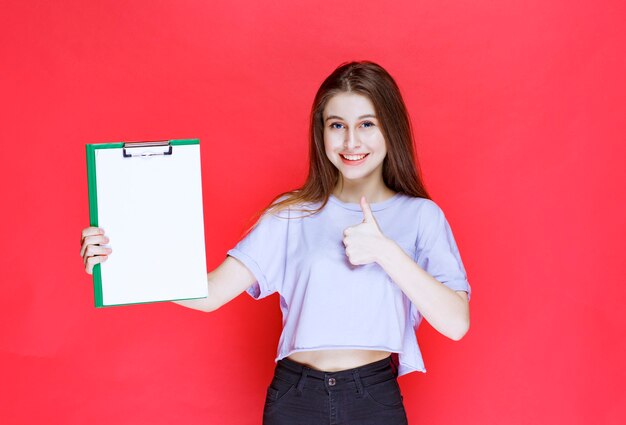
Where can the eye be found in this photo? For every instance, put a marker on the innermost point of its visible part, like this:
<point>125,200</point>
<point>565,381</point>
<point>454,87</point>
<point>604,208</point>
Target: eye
<point>336,125</point>
<point>368,124</point>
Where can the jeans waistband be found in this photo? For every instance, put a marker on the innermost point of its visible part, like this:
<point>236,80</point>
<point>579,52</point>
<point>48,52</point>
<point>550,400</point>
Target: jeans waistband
<point>362,376</point>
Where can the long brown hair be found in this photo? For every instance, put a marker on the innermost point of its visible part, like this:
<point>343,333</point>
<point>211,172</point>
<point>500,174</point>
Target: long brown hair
<point>401,172</point>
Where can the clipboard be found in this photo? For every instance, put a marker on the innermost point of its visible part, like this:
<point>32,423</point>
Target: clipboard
<point>148,198</point>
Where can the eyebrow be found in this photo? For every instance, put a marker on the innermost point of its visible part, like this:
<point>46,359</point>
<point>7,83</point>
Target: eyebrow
<point>335,117</point>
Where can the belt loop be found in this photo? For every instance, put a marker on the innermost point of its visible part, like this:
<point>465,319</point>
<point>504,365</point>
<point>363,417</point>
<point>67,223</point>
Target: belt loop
<point>357,381</point>
<point>305,371</point>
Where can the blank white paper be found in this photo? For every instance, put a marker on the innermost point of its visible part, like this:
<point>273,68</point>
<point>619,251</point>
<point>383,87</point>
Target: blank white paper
<point>151,210</point>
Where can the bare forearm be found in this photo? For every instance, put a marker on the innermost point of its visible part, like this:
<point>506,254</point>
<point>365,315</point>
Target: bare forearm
<point>202,304</point>
<point>224,283</point>
<point>442,307</point>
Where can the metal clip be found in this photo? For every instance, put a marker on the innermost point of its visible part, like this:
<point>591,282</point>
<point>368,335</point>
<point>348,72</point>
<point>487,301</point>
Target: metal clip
<point>146,149</point>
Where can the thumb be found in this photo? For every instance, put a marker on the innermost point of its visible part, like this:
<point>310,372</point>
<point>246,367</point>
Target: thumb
<point>368,217</point>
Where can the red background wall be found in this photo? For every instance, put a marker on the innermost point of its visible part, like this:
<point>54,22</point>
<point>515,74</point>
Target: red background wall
<point>518,109</point>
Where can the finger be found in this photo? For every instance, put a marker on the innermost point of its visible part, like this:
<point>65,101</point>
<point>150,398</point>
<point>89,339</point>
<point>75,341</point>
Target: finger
<point>92,240</point>
<point>91,231</point>
<point>368,217</point>
<point>97,250</point>
<point>353,260</point>
<point>86,260</point>
<point>92,261</point>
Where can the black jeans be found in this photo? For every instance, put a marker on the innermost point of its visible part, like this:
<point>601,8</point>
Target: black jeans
<point>366,395</point>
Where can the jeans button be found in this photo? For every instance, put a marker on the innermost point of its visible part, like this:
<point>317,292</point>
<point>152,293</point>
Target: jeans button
<point>331,382</point>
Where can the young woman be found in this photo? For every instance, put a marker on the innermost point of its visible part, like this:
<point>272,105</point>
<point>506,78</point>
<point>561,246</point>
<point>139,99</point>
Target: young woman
<point>359,255</point>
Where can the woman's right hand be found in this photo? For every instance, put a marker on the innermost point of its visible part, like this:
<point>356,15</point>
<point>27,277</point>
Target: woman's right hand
<point>90,250</point>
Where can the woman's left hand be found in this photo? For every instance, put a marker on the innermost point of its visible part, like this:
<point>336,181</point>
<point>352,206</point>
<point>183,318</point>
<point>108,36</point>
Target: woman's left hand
<point>364,241</point>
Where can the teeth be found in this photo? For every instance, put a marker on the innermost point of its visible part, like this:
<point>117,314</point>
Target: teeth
<point>354,157</point>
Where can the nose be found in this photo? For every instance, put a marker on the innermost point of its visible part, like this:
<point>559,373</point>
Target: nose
<point>352,140</point>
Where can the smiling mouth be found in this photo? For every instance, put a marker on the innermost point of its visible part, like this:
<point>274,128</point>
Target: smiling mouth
<point>354,157</point>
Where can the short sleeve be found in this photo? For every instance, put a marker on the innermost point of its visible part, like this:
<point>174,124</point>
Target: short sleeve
<point>436,250</point>
<point>263,252</point>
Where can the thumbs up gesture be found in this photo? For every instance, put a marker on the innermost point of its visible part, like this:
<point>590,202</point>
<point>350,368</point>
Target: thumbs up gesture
<point>365,240</point>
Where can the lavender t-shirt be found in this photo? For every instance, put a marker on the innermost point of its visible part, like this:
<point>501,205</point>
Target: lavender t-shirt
<point>328,303</point>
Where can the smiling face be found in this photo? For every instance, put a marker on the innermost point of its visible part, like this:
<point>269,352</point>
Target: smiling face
<point>353,139</point>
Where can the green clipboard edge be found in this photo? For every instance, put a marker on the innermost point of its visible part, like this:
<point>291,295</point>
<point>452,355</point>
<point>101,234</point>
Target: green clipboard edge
<point>93,207</point>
